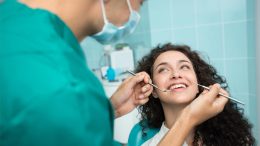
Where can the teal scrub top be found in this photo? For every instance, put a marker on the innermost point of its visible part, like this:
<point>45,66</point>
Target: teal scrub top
<point>48,95</point>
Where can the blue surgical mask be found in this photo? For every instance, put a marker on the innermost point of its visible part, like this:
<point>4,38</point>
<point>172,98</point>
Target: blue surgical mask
<point>111,33</point>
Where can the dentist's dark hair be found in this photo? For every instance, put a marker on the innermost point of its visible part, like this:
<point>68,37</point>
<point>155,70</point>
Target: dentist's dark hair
<point>228,128</point>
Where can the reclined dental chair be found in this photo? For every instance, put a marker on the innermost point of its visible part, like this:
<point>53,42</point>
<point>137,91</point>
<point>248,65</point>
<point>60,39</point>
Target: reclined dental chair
<point>137,139</point>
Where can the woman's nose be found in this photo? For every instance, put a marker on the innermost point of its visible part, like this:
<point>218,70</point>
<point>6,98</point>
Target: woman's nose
<point>175,74</point>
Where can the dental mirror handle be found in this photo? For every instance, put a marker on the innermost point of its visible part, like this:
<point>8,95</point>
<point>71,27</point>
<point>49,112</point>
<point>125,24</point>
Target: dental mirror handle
<point>163,90</point>
<point>237,101</point>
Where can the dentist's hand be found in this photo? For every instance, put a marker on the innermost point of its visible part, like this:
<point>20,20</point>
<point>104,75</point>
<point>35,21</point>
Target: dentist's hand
<point>132,92</point>
<point>204,107</point>
<point>207,105</point>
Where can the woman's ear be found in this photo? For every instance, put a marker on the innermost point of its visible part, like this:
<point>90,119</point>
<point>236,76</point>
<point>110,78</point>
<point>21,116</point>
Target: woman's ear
<point>155,95</point>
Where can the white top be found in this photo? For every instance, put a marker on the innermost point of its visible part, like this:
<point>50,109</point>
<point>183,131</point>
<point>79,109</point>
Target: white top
<point>157,137</point>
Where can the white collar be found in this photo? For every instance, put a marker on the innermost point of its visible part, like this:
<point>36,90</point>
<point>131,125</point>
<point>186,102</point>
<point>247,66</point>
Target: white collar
<point>157,137</point>
<point>164,130</point>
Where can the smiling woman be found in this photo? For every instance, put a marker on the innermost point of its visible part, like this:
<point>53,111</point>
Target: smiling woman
<point>179,69</point>
<point>173,70</point>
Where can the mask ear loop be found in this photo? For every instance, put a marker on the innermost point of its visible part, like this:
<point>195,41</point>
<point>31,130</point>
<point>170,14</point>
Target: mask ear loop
<point>129,6</point>
<point>131,10</point>
<point>103,11</point>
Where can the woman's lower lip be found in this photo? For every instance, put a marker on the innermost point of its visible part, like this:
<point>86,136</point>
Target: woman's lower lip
<point>178,89</point>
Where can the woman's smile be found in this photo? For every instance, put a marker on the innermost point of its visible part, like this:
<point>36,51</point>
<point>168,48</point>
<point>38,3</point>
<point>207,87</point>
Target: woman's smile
<point>178,87</point>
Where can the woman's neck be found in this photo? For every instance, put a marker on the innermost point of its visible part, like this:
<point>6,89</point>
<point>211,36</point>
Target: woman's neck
<point>171,114</point>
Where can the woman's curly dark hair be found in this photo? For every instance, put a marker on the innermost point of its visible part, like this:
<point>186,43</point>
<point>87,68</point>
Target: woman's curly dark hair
<point>229,128</point>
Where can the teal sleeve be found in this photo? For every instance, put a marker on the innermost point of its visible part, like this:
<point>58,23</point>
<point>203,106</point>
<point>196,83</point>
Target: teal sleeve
<point>42,106</point>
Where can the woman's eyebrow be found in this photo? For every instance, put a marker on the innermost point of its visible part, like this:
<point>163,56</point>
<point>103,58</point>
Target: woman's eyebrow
<point>183,61</point>
<point>166,63</point>
<point>162,63</point>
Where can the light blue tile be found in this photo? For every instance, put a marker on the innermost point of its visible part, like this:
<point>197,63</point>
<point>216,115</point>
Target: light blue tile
<point>252,76</point>
<point>139,38</point>
<point>251,5</point>
<point>219,66</point>
<point>235,39</point>
<point>208,11</point>
<point>233,10</point>
<point>93,51</point>
<point>252,108</point>
<point>159,14</point>
<point>253,114</point>
<point>251,39</point>
<point>140,43</point>
<point>185,36</point>
<point>144,24</point>
<point>210,40</point>
<point>140,51</point>
<point>160,37</point>
<point>244,98</point>
<point>237,76</point>
<point>183,13</point>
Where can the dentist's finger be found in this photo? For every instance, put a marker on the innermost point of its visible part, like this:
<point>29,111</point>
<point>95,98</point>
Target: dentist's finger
<point>142,101</point>
<point>221,100</point>
<point>146,88</point>
<point>147,78</point>
<point>212,94</point>
<point>220,103</point>
<point>145,94</point>
<point>136,79</point>
<point>141,76</point>
<point>223,92</point>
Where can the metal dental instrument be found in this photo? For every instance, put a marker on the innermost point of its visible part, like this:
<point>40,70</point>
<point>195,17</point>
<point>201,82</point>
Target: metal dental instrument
<point>237,101</point>
<point>205,87</point>
<point>162,90</point>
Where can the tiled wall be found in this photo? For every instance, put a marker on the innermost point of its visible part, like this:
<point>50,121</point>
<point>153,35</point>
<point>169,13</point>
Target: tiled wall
<point>223,30</point>
<point>258,57</point>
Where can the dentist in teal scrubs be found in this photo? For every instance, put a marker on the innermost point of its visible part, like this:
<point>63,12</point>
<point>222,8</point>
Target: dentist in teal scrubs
<point>48,95</point>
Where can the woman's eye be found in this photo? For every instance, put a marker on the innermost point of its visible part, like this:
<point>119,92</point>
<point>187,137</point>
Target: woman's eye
<point>161,70</point>
<point>185,67</point>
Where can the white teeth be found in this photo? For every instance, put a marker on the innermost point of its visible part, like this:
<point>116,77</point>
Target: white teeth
<point>178,86</point>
